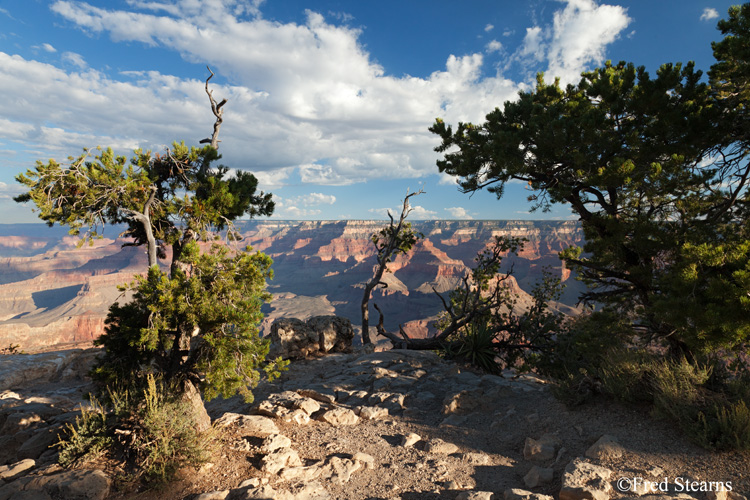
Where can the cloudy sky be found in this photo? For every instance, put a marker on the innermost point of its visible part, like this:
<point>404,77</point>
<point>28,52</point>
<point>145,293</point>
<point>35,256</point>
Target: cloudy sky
<point>329,101</point>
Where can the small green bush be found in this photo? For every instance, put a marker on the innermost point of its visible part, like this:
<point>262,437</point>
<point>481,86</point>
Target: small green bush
<point>155,435</point>
<point>476,347</point>
<point>87,439</point>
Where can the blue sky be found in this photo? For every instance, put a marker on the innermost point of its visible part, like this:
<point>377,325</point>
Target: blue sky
<point>328,101</point>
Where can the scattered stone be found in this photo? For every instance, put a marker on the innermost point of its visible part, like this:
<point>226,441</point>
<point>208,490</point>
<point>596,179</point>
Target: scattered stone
<point>252,424</point>
<point>371,412</point>
<point>606,448</point>
<point>724,495</point>
<point>455,420</point>
<point>299,417</point>
<point>340,416</point>
<point>475,495</point>
<point>584,480</point>
<point>10,472</point>
<point>542,449</point>
<point>439,446</point>
<point>280,459</point>
<point>475,458</point>
<point>213,495</point>
<point>323,397</point>
<point>275,442</point>
<point>538,476</point>
<point>364,458</point>
<point>410,440</point>
<point>308,405</point>
<point>76,484</point>
<point>519,494</point>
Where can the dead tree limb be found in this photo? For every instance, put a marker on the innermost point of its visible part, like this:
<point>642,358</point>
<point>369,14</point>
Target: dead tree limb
<point>482,292</point>
<point>397,238</point>
<point>218,112</point>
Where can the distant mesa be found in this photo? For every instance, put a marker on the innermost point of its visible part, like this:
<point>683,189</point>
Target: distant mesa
<point>53,295</point>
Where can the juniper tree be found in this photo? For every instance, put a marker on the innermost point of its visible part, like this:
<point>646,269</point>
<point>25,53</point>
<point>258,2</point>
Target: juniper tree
<point>197,320</point>
<point>656,170</point>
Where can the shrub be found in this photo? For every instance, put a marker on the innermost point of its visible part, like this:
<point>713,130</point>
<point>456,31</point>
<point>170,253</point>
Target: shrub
<point>476,347</point>
<point>155,435</point>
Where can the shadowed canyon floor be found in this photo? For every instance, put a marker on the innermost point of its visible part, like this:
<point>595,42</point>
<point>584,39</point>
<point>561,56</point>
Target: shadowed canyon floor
<point>394,425</point>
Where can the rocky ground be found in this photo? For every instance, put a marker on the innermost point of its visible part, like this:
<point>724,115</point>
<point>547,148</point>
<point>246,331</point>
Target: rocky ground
<point>384,425</point>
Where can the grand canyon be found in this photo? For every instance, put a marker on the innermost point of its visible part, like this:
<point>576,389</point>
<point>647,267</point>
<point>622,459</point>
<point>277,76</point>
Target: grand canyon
<point>54,295</point>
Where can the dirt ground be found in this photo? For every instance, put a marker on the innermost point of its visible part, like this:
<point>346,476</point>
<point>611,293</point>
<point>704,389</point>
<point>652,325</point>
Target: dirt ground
<point>490,434</point>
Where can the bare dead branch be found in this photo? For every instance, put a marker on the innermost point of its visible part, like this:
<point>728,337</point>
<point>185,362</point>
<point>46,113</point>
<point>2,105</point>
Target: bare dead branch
<point>218,112</point>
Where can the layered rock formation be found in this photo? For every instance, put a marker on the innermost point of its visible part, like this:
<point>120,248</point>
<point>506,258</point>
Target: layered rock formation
<point>53,294</point>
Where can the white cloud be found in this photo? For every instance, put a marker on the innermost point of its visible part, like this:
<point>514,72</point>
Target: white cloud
<point>576,40</point>
<point>709,14</point>
<point>307,100</point>
<point>494,46</point>
<point>420,213</point>
<point>313,199</point>
<point>489,28</point>
<point>458,213</point>
<point>48,48</point>
<point>74,59</point>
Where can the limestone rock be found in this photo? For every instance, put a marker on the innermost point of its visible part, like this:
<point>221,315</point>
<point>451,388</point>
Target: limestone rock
<point>39,443</point>
<point>252,424</point>
<point>70,485</point>
<point>606,447</point>
<point>340,416</point>
<point>280,459</point>
<point>293,338</point>
<point>335,333</point>
<point>475,495</point>
<point>439,446</point>
<point>213,495</point>
<point>541,449</point>
<point>10,472</point>
<point>319,394</point>
<point>519,494</point>
<point>308,405</point>
<point>275,442</point>
<point>364,458</point>
<point>372,412</point>
<point>410,440</point>
<point>537,476</point>
<point>584,480</point>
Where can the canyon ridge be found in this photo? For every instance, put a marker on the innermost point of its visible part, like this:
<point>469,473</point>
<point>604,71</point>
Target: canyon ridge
<point>54,295</point>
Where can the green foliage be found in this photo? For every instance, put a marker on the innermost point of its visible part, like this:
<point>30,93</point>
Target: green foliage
<point>156,433</point>
<point>476,347</point>
<point>656,170</point>
<point>220,298</point>
<point>189,194</point>
<point>87,439</point>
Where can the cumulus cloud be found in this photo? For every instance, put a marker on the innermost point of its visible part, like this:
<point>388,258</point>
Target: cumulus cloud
<point>709,14</point>
<point>306,100</point>
<point>494,46</point>
<point>313,199</point>
<point>576,40</point>
<point>458,213</point>
<point>489,28</point>
<point>74,59</point>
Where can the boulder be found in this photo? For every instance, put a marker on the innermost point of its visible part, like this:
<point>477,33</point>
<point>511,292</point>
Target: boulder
<point>585,481</point>
<point>537,476</point>
<point>606,447</point>
<point>292,338</point>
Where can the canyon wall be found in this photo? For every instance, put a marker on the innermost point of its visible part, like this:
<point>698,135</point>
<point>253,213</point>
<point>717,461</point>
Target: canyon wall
<point>54,295</point>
